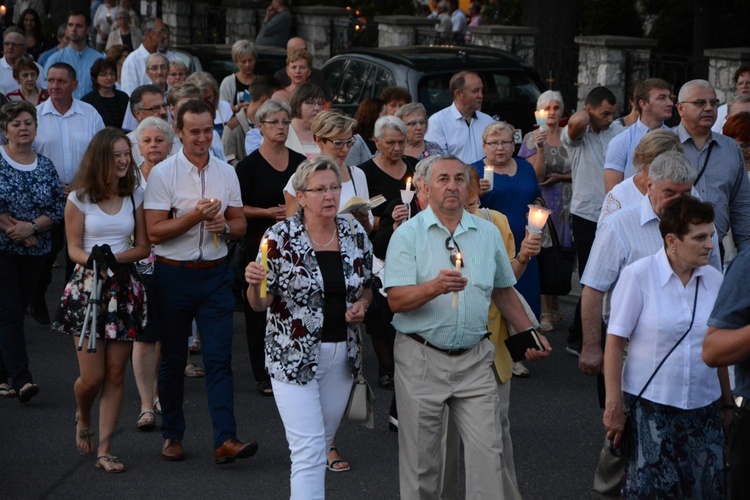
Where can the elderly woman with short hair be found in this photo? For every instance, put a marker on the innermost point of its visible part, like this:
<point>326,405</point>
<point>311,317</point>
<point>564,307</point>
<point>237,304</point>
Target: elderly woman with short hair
<point>513,188</point>
<point>263,175</point>
<point>388,171</point>
<point>414,117</point>
<point>313,342</point>
<point>234,85</point>
<point>154,137</point>
<point>634,188</point>
<point>31,201</point>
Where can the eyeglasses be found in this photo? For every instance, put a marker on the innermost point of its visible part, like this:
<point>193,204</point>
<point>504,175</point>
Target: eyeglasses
<point>495,144</point>
<point>155,108</point>
<point>472,206</point>
<point>107,74</point>
<point>161,67</point>
<point>416,123</point>
<point>320,191</point>
<point>341,143</point>
<point>391,144</point>
<point>276,123</point>
<point>312,104</point>
<point>452,246</point>
<point>701,103</point>
<point>13,44</point>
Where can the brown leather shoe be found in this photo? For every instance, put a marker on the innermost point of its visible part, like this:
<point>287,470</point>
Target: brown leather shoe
<point>232,449</point>
<point>172,450</point>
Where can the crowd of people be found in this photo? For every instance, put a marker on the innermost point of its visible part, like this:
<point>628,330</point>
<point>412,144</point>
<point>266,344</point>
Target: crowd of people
<point>174,196</point>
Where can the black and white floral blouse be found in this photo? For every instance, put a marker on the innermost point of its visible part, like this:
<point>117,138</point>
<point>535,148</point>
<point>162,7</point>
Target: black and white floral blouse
<point>295,318</point>
<point>27,194</point>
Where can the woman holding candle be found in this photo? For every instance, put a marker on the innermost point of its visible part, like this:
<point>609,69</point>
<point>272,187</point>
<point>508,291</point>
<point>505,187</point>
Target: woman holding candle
<point>513,188</point>
<point>544,150</point>
<point>414,117</point>
<point>263,175</point>
<point>660,307</point>
<point>313,343</point>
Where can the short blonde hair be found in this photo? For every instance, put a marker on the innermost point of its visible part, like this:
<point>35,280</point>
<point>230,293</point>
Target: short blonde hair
<point>307,168</point>
<point>332,123</point>
<point>495,128</point>
<point>652,145</point>
<point>242,48</point>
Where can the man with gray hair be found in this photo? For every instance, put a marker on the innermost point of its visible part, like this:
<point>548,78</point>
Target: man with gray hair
<point>155,36</point>
<point>14,48</point>
<point>717,160</point>
<point>146,101</point>
<point>621,239</point>
<point>443,266</point>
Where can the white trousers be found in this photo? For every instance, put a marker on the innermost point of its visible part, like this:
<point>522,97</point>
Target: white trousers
<point>311,414</point>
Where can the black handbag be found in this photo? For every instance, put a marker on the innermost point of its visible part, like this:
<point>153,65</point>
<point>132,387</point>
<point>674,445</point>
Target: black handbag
<point>556,265</point>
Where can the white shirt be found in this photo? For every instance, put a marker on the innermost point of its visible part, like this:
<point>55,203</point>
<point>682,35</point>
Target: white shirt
<point>653,309</point>
<point>587,161</point>
<point>134,69</point>
<point>621,149</point>
<point>449,130</point>
<point>176,184</point>
<point>348,189</point>
<point>64,138</point>
<point>100,227</point>
<point>9,84</point>
<point>253,140</point>
<point>623,195</point>
<point>721,118</point>
<point>103,22</point>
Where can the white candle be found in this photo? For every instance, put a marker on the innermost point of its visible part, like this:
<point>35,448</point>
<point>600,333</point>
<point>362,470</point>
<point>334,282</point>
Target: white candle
<point>264,265</point>
<point>489,175</point>
<point>458,268</point>
<point>537,218</point>
<point>541,118</point>
<point>408,184</point>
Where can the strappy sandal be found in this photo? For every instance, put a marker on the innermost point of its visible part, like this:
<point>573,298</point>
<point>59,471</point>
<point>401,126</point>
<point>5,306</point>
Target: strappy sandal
<point>545,325</point>
<point>85,440</point>
<point>110,464</point>
<point>6,391</point>
<point>146,421</point>
<point>157,406</point>
<point>333,463</point>
<point>194,371</point>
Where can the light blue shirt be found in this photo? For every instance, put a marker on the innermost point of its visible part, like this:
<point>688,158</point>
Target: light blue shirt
<point>64,138</point>
<point>416,254</point>
<point>81,62</point>
<point>621,148</point>
<point>448,129</point>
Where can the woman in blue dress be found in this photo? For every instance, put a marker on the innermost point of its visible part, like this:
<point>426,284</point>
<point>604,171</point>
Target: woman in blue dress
<point>514,186</point>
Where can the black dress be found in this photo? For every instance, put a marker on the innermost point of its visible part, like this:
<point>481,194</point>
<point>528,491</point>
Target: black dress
<point>111,109</point>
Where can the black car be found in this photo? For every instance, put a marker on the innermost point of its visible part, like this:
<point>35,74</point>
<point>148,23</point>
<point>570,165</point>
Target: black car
<point>217,59</point>
<point>511,86</point>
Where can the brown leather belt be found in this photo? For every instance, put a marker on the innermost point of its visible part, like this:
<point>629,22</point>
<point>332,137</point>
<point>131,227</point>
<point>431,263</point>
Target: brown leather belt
<point>449,352</point>
<point>191,264</point>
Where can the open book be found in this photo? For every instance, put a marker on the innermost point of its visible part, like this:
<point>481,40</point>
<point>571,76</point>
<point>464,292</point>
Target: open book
<point>356,203</point>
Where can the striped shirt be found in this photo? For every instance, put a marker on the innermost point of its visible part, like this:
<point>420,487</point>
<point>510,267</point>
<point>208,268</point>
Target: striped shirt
<point>724,183</point>
<point>416,254</point>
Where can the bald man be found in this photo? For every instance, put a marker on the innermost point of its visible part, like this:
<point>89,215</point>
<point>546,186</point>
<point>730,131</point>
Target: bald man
<point>317,77</point>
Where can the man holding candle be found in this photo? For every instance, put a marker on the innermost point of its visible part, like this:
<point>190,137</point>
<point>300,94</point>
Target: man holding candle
<point>654,106</point>
<point>443,356</point>
<point>189,198</point>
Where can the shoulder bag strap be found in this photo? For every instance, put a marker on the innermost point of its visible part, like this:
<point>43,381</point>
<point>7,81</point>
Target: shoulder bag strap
<point>135,220</point>
<point>354,185</point>
<point>705,163</point>
<point>692,319</point>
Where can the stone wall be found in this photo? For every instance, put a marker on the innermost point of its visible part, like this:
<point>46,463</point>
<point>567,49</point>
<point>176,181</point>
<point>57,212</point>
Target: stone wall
<point>319,25</point>
<point>176,15</point>
<point>722,63</point>
<point>602,61</point>
<point>241,22</point>
<point>398,31</point>
<point>517,40</point>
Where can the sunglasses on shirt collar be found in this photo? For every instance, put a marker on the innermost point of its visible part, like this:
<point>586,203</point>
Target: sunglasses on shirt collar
<point>452,246</point>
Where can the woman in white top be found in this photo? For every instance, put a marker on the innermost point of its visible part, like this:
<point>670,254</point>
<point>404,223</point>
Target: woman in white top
<point>634,188</point>
<point>306,102</point>
<point>105,207</point>
<point>660,308</point>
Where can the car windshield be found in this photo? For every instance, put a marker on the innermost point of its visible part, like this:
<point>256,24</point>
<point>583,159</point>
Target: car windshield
<point>499,88</point>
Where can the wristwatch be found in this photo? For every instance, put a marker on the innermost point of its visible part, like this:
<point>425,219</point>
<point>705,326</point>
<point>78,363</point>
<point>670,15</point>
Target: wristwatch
<point>36,227</point>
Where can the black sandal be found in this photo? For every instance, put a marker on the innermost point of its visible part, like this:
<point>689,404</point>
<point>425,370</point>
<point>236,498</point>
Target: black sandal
<point>265,388</point>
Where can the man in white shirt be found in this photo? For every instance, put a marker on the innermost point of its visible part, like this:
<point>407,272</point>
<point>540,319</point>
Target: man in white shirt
<point>66,126</point>
<point>623,238</point>
<point>193,206</point>
<point>654,106</point>
<point>458,128</point>
<point>458,18</point>
<point>14,48</point>
<point>134,68</point>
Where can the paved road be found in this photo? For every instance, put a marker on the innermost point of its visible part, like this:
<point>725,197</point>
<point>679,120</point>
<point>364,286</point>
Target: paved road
<point>556,429</point>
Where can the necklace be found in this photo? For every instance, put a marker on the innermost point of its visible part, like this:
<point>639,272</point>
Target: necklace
<point>320,244</point>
